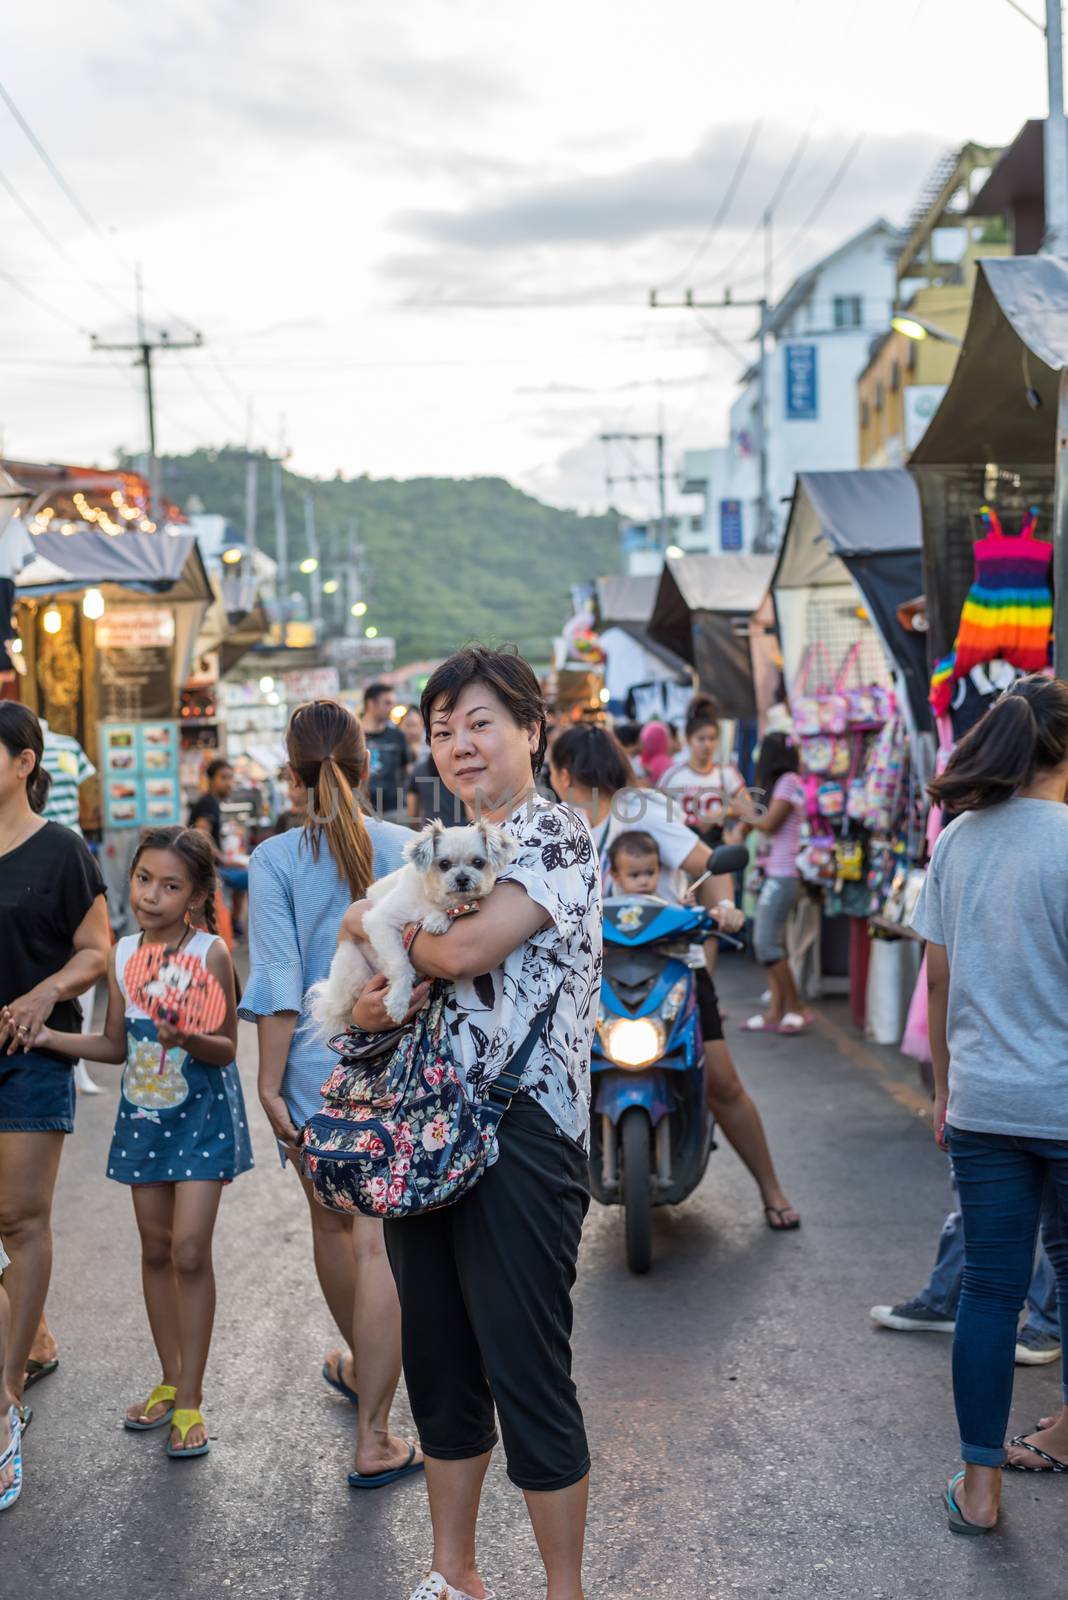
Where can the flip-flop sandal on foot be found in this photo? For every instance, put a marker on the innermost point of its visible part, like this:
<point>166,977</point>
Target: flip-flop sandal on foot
<point>792,1023</point>
<point>781,1226</point>
<point>336,1381</point>
<point>36,1370</point>
<point>12,1457</point>
<point>163,1393</point>
<point>758,1024</point>
<point>183,1422</point>
<point>378,1480</point>
<point>958,1522</point>
<point>1052,1464</point>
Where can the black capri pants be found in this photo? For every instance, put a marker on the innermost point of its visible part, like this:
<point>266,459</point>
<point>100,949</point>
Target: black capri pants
<point>486,1317</point>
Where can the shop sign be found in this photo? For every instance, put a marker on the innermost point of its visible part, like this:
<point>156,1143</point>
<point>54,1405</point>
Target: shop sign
<point>922,400</point>
<point>135,627</point>
<point>730,525</point>
<point>317,683</point>
<point>801,382</point>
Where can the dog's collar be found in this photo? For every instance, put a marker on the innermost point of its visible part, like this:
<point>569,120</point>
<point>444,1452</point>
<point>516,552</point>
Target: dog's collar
<point>462,911</point>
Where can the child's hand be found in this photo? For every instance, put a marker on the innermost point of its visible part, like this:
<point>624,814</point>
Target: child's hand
<point>169,1037</point>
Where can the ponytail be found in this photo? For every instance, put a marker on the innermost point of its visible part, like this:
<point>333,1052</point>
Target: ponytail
<point>328,753</point>
<point>19,731</point>
<point>1023,733</point>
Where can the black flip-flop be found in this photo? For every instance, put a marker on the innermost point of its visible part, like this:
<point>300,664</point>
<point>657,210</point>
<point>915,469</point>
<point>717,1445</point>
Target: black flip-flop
<point>337,1382</point>
<point>378,1480</point>
<point>780,1226</point>
<point>1052,1464</point>
<point>36,1370</point>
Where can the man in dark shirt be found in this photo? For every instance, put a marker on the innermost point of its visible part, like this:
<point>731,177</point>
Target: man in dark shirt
<point>388,749</point>
<point>206,815</point>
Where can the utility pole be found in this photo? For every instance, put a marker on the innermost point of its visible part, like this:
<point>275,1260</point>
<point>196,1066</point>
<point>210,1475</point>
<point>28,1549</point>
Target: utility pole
<point>281,536</point>
<point>1055,242</point>
<point>659,477</point>
<point>146,348</point>
<point>251,484</point>
<point>688,303</point>
<point>311,539</point>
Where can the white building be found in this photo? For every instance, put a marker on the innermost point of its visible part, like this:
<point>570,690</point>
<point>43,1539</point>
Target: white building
<point>821,337</point>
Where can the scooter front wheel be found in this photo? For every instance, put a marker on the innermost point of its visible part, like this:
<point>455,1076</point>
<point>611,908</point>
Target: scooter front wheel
<point>636,1138</point>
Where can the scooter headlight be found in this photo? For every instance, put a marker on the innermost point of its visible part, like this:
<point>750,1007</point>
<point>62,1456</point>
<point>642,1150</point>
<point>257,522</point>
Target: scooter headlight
<point>633,1041</point>
<point>676,995</point>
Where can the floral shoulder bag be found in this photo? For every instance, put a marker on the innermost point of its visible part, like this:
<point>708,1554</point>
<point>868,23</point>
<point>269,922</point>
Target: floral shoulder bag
<point>398,1133</point>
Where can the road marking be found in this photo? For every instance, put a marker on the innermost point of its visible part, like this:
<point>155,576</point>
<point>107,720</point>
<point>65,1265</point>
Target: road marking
<point>912,1100</point>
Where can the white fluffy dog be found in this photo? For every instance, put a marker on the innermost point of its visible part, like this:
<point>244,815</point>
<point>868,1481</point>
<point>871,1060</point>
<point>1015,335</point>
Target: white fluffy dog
<point>447,868</point>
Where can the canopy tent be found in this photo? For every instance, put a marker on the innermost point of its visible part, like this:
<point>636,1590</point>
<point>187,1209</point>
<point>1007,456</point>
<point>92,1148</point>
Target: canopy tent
<point>635,660</point>
<point>130,563</point>
<point>994,438</point>
<point>850,531</point>
<point>625,598</point>
<point>706,609</point>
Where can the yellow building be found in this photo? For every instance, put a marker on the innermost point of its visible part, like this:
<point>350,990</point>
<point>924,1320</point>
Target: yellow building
<point>903,383</point>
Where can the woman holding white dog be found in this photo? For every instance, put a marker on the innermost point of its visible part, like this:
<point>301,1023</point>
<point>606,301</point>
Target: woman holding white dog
<point>485,1283</point>
<point>300,885</point>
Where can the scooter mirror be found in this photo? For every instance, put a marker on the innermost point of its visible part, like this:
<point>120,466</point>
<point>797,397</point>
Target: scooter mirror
<point>727,859</point>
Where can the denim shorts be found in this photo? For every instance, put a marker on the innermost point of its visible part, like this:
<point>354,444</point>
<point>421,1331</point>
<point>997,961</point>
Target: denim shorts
<point>36,1093</point>
<point>777,899</point>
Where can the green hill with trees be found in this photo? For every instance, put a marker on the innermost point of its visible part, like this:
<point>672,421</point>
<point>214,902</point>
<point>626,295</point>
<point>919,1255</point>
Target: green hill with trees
<point>448,560</point>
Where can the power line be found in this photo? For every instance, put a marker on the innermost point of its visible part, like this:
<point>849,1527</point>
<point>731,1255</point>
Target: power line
<point>725,204</point>
<point>50,239</point>
<point>86,216</point>
<point>53,311</point>
<point>835,183</point>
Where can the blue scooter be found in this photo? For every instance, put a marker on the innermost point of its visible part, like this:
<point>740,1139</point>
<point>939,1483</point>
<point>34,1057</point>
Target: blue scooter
<point>652,1131</point>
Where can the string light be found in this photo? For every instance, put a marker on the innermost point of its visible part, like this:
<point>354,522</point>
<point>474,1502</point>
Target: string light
<point>309,565</point>
<point>331,586</point>
<point>51,622</point>
<point>93,605</point>
<point>360,608</point>
<point>370,633</point>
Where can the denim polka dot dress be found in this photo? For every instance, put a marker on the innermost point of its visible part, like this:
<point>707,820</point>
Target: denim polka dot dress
<point>178,1118</point>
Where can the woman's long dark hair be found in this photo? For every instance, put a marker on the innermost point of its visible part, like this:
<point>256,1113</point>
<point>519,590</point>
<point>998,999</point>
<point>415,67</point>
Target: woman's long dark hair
<point>1024,732</point>
<point>702,712</point>
<point>328,752</point>
<point>778,755</point>
<point>594,758</point>
<point>19,731</point>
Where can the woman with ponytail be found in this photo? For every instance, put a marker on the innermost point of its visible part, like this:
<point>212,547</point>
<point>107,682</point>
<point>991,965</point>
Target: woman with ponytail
<point>54,941</point>
<point>301,883</point>
<point>994,912</point>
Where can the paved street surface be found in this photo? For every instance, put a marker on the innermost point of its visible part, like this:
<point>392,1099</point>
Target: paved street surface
<point>753,1434</point>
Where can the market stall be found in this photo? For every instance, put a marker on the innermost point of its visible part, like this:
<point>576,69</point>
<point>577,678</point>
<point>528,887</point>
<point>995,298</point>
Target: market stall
<point>643,675</point>
<point>713,612</point>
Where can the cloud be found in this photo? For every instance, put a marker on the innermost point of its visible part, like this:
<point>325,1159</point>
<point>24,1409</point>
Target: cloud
<point>673,195</point>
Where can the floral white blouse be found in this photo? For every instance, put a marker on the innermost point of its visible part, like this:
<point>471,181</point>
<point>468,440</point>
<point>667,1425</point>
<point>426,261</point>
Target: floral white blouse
<point>490,1017</point>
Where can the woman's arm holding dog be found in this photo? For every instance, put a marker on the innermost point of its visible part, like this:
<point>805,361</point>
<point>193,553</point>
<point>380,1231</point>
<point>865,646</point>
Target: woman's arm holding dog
<point>476,944</point>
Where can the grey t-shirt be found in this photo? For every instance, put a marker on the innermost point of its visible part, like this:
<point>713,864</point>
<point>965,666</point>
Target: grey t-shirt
<point>996,897</point>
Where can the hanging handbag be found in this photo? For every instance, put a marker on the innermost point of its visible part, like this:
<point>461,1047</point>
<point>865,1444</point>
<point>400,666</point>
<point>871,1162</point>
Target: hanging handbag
<point>822,710</point>
<point>815,861</point>
<point>868,704</point>
<point>398,1133</point>
<point>818,754</point>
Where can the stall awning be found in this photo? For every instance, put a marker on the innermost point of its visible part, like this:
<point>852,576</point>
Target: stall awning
<point>1016,344</point>
<point>703,613</point>
<point>622,598</point>
<point>864,528</point>
<point>147,563</point>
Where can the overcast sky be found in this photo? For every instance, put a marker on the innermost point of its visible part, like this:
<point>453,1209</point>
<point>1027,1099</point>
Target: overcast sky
<point>424,232</point>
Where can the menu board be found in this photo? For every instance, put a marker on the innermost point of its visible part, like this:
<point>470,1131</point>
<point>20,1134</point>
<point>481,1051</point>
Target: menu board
<point>139,772</point>
<point>135,681</point>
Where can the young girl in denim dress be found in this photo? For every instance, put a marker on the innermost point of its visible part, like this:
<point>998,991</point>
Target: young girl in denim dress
<point>181,1132</point>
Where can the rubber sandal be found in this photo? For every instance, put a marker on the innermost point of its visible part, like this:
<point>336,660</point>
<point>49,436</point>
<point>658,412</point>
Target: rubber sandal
<point>378,1480</point>
<point>25,1417</point>
<point>958,1522</point>
<point>434,1587</point>
<point>1052,1464</point>
<point>793,1022</point>
<point>339,1383</point>
<point>36,1370</point>
<point>757,1024</point>
<point>12,1456</point>
<point>162,1391</point>
<point>183,1421</point>
<point>781,1226</point>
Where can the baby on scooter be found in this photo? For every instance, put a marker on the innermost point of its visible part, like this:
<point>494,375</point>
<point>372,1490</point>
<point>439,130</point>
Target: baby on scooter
<point>634,863</point>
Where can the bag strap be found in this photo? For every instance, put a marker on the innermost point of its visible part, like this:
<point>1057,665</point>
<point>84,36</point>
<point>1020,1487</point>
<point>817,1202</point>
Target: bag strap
<point>849,664</point>
<point>506,1084</point>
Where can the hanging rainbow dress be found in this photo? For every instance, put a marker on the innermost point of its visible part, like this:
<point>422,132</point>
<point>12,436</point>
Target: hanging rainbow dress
<point>1009,609</point>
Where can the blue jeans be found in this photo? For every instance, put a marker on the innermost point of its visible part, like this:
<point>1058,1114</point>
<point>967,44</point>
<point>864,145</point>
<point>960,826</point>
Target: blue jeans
<point>942,1289</point>
<point>1001,1180</point>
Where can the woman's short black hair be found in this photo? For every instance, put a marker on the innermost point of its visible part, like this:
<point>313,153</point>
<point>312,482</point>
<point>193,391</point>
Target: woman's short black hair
<point>778,755</point>
<point>592,757</point>
<point>19,731</point>
<point>512,680</point>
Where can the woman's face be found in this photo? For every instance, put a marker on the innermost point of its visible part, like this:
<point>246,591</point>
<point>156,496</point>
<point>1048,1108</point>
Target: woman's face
<point>14,772</point>
<point>482,754</point>
<point>704,746</point>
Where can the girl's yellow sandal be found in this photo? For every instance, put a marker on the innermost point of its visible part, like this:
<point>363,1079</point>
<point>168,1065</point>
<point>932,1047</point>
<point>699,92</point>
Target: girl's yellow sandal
<point>183,1421</point>
<point>163,1392</point>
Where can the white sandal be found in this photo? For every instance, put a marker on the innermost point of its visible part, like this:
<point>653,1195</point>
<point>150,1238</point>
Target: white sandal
<point>435,1587</point>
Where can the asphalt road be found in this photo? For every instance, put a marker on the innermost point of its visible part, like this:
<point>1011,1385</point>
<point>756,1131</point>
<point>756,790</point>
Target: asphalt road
<point>753,1434</point>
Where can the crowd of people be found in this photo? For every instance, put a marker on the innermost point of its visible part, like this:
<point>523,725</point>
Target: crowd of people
<point>593,811</point>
